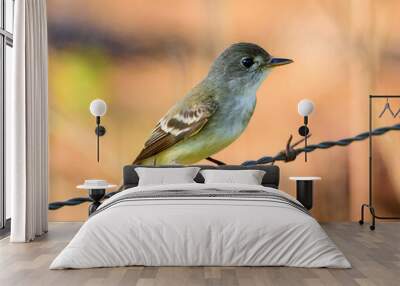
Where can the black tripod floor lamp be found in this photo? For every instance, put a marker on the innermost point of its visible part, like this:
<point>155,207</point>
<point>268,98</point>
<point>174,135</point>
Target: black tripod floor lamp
<point>370,205</point>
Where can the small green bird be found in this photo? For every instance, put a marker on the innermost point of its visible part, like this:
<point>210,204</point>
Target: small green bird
<point>215,112</point>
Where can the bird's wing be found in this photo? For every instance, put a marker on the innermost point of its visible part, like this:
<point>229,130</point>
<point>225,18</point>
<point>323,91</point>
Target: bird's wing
<point>178,125</point>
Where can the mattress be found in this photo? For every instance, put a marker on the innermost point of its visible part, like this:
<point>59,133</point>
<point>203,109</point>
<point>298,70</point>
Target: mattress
<point>201,225</point>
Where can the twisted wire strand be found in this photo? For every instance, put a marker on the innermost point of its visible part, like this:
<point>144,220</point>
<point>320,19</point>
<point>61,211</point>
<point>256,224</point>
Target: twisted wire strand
<point>264,160</point>
<point>70,202</point>
<point>324,145</point>
<point>75,201</point>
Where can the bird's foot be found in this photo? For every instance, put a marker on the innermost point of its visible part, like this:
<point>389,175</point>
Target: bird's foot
<point>215,161</point>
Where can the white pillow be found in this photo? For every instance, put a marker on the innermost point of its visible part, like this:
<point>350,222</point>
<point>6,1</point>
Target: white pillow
<point>165,176</point>
<point>248,177</point>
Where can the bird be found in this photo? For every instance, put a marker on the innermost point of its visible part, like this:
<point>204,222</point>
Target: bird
<point>215,112</point>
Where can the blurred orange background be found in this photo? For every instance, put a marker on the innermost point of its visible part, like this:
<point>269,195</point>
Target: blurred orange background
<point>142,56</point>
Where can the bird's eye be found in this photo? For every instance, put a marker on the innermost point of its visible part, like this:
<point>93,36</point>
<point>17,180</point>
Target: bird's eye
<point>247,62</point>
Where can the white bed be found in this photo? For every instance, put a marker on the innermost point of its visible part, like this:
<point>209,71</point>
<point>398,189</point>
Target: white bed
<point>249,226</point>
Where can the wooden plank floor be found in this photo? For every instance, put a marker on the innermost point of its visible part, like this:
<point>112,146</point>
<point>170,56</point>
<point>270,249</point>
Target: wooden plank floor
<point>375,257</point>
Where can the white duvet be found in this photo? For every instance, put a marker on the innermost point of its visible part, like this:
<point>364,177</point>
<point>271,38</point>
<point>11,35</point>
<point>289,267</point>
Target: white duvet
<point>188,231</point>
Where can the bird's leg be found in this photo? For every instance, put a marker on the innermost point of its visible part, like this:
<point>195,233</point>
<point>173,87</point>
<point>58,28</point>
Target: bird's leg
<point>215,161</point>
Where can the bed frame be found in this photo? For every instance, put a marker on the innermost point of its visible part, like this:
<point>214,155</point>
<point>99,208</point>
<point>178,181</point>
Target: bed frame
<point>270,179</point>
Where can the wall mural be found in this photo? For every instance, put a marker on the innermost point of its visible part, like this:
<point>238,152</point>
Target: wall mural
<point>215,112</point>
<point>142,59</point>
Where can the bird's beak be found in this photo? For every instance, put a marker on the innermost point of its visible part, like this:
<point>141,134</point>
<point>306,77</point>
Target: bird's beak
<point>274,62</point>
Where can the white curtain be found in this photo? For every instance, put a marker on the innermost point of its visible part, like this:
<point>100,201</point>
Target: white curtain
<point>26,123</point>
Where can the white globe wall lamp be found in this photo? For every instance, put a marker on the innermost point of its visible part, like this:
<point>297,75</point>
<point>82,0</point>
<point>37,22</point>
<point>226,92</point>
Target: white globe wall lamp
<point>98,109</point>
<point>305,107</point>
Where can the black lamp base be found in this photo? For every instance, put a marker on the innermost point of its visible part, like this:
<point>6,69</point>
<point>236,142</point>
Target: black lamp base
<point>100,130</point>
<point>304,131</point>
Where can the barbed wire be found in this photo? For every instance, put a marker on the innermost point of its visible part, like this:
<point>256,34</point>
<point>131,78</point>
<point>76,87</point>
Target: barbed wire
<point>282,156</point>
<point>76,201</point>
<point>323,145</point>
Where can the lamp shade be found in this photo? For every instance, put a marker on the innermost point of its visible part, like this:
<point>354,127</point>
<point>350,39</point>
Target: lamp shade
<point>98,107</point>
<point>305,107</point>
